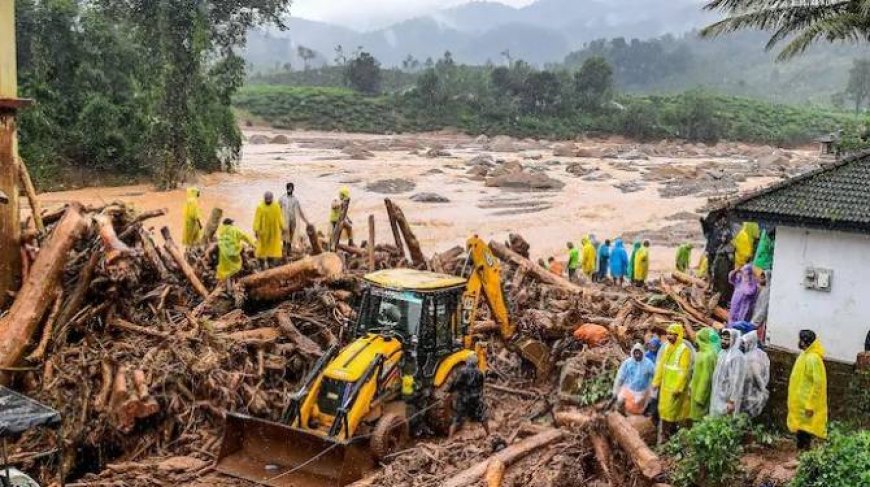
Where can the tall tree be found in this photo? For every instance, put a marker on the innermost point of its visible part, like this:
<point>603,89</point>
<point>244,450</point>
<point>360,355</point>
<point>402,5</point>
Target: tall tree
<point>858,88</point>
<point>593,83</point>
<point>800,22</point>
<point>306,55</point>
<point>363,74</point>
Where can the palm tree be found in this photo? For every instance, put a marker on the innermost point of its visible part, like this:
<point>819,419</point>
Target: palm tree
<point>799,22</point>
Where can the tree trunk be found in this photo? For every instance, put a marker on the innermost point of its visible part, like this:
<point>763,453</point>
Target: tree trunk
<point>313,239</point>
<point>18,326</point>
<point>278,283</point>
<point>629,439</point>
<point>370,246</point>
<point>508,456</point>
<point>689,280</point>
<point>152,256</point>
<point>394,227</point>
<point>494,473</point>
<point>541,274</point>
<point>214,220</point>
<point>417,257</point>
<point>179,259</point>
<point>603,454</point>
<point>27,183</point>
<point>303,344</point>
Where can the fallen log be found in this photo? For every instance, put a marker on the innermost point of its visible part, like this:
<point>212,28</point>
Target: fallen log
<point>394,227</point>
<point>47,329</point>
<point>688,280</point>
<point>417,257</point>
<point>278,283</point>
<point>19,324</point>
<point>574,420</point>
<point>30,191</point>
<point>211,226</point>
<point>76,298</point>
<point>182,263</point>
<point>494,473</point>
<point>118,256</point>
<point>628,438</point>
<point>370,245</point>
<point>313,239</point>
<point>257,336</point>
<point>304,345</point>
<point>603,454</point>
<point>539,273</point>
<point>721,313</point>
<point>123,324</point>
<point>508,457</point>
<point>152,256</point>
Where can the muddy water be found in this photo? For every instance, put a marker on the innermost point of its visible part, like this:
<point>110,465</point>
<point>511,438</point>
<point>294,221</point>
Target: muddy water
<point>546,219</point>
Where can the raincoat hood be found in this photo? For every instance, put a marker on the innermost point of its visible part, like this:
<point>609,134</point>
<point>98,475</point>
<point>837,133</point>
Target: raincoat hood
<point>344,193</point>
<point>729,377</point>
<point>639,348</point>
<point>618,243</point>
<point>192,192</point>
<point>705,339</point>
<point>750,341</point>
<point>678,330</point>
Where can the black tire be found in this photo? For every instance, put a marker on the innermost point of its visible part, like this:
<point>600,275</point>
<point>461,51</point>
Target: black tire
<point>440,417</point>
<point>390,433</point>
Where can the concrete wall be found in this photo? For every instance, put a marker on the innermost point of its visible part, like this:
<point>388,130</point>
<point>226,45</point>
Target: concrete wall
<point>840,317</point>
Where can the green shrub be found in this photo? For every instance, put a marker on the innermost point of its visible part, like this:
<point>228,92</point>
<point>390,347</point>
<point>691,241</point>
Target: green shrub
<point>708,454</point>
<point>843,460</point>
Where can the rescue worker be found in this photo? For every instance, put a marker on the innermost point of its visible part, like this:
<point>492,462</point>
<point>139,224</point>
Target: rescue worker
<point>764,254</point>
<point>230,239</point>
<point>703,268</point>
<point>762,304</point>
<point>683,257</point>
<point>641,264</point>
<point>192,233</point>
<point>618,262</point>
<point>573,261</point>
<point>633,385</point>
<point>755,393</point>
<point>555,266</point>
<point>588,257</point>
<point>729,377</point>
<point>268,228</point>
<point>702,374</point>
<point>290,208</point>
<point>635,247</point>
<point>603,260</point>
<point>652,348</point>
<point>468,387</point>
<point>335,212</point>
<point>745,293</point>
<point>723,264</point>
<point>744,244</point>
<point>808,392</point>
<point>672,381</point>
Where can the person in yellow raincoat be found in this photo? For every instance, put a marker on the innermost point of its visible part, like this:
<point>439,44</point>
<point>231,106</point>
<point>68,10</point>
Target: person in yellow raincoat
<point>192,219</point>
<point>808,392</point>
<point>641,264</point>
<point>672,381</point>
<point>268,228</point>
<point>230,240</point>
<point>744,244</point>
<point>589,256</point>
<point>335,208</point>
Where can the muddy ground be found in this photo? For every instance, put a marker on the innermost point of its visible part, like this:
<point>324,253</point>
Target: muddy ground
<point>549,192</point>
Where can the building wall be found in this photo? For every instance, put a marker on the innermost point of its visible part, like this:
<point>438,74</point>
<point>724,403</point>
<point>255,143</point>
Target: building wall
<point>840,317</point>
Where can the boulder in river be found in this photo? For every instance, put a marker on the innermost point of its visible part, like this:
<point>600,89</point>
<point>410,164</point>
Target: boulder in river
<point>280,139</point>
<point>259,139</point>
<point>391,186</point>
<point>429,198</point>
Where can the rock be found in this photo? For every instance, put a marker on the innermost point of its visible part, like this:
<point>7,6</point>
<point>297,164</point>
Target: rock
<point>577,169</point>
<point>597,176</point>
<point>610,153</point>
<point>564,150</point>
<point>259,139</point>
<point>589,152</point>
<point>280,139</point>
<point>429,198</point>
<point>437,152</point>
<point>357,153</point>
<point>524,181</point>
<point>629,186</point>
<point>502,143</point>
<point>534,156</point>
<point>478,172</point>
<point>433,171</point>
<point>634,155</point>
<point>181,464</point>
<point>481,139</point>
<point>509,167</point>
<point>391,186</point>
<point>481,160</point>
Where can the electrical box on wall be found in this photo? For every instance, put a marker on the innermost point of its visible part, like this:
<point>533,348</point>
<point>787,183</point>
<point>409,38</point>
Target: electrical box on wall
<point>818,279</point>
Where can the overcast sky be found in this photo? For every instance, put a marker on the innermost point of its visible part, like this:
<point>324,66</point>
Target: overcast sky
<point>364,14</point>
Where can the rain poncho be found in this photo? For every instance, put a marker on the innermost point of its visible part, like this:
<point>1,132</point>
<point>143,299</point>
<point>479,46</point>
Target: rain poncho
<point>635,247</point>
<point>588,257</point>
<point>652,349</point>
<point>703,267</point>
<point>641,264</point>
<point>618,260</point>
<point>755,391</point>
<point>230,240</point>
<point>762,303</point>
<point>633,381</point>
<point>808,391</point>
<point>268,227</point>
<point>672,377</point>
<point>745,292</point>
<point>743,244</point>
<point>702,375</point>
<point>335,209</point>
<point>603,260</point>
<point>729,377</point>
<point>684,257</point>
<point>192,233</point>
<point>764,253</point>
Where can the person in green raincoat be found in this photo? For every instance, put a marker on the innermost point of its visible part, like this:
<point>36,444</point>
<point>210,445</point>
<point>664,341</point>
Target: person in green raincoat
<point>672,381</point>
<point>192,233</point>
<point>764,253</point>
<point>230,240</point>
<point>684,257</point>
<point>702,376</point>
<point>634,250</point>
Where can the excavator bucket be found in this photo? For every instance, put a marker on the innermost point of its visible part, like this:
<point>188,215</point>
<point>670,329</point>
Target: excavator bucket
<point>538,354</point>
<point>277,455</point>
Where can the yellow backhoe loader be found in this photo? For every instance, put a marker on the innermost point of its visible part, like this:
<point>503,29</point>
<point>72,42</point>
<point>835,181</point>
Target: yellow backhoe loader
<point>359,404</point>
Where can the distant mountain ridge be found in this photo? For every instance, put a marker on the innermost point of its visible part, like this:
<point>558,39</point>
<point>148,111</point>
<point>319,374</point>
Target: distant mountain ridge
<point>478,32</point>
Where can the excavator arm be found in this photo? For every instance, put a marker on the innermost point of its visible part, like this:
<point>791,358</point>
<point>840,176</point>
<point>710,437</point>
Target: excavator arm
<point>485,282</point>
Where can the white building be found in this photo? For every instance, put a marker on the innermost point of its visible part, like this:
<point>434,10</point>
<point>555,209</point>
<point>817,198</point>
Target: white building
<point>821,263</point>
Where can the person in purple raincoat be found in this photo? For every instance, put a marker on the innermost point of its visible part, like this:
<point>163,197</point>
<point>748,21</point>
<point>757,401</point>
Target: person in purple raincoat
<point>745,292</point>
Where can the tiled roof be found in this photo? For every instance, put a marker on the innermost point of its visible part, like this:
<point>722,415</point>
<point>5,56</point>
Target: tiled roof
<point>833,197</point>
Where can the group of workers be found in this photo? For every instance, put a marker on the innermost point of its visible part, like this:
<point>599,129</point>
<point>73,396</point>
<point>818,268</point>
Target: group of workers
<point>605,261</point>
<point>275,225</point>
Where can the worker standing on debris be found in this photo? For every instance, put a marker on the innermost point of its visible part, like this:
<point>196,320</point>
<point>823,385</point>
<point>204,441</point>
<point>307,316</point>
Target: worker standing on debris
<point>230,239</point>
<point>468,387</point>
<point>290,208</point>
<point>652,348</point>
<point>573,261</point>
<point>635,248</point>
<point>337,210</point>
<point>703,268</point>
<point>808,392</point>
<point>633,385</point>
<point>745,293</point>
<point>684,257</point>
<point>603,261</point>
<point>588,257</point>
<point>762,304</point>
<point>672,381</point>
<point>702,375</point>
<point>555,266</point>
<point>729,377</point>
<point>641,264</point>
<point>618,262</point>
<point>192,219</point>
<point>755,391</point>
<point>268,228</point>
<point>744,244</point>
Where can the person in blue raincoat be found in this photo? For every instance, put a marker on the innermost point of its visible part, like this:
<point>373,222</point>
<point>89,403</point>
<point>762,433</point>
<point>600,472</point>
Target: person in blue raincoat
<point>603,260</point>
<point>633,385</point>
<point>618,262</point>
